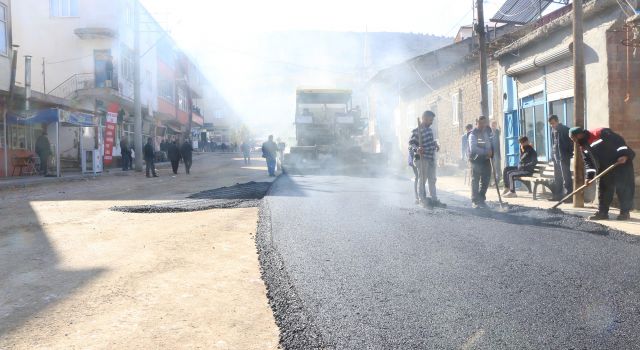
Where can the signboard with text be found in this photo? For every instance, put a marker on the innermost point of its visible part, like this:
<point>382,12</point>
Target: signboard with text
<point>110,133</point>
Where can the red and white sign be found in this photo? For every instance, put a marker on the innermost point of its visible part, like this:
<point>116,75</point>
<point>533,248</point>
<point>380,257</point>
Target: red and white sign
<point>110,132</point>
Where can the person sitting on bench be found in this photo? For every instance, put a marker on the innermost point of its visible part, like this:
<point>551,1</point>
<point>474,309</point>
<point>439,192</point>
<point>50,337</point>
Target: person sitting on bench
<point>528,162</point>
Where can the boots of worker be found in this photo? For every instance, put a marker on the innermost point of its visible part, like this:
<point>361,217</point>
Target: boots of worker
<point>506,190</point>
<point>599,216</point>
<point>624,215</point>
<point>510,195</point>
<point>436,203</point>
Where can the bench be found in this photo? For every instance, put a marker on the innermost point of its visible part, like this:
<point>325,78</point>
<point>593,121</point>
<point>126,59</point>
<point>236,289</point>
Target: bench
<point>542,175</point>
<point>25,165</point>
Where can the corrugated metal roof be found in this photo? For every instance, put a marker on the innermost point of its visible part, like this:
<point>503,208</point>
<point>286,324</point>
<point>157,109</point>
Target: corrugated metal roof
<point>520,11</point>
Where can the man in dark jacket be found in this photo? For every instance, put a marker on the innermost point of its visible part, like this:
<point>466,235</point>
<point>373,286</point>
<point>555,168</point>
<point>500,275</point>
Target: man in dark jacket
<point>149,157</point>
<point>602,148</point>
<point>480,154</point>
<point>43,150</point>
<point>528,162</point>
<point>173,153</point>
<point>270,153</point>
<point>125,152</point>
<point>561,153</point>
<point>186,152</point>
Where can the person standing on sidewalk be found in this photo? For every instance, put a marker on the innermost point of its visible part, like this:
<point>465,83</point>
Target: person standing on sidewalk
<point>423,146</point>
<point>186,151</point>
<point>246,152</point>
<point>497,157</point>
<point>528,162</point>
<point>270,152</point>
<point>149,158</point>
<point>43,150</point>
<point>464,144</point>
<point>480,154</point>
<point>562,152</point>
<point>173,153</point>
<point>125,152</point>
<point>602,148</point>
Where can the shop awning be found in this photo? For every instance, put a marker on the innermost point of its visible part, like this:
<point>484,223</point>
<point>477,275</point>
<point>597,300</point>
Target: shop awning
<point>54,115</point>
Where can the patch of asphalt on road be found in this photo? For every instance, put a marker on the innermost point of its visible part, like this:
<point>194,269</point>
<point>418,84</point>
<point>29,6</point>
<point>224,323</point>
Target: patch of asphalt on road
<point>298,330</point>
<point>247,195</point>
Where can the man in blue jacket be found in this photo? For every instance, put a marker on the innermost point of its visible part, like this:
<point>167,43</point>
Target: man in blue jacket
<point>480,154</point>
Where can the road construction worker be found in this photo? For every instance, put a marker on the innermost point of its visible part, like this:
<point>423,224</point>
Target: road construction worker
<point>528,162</point>
<point>270,153</point>
<point>480,155</point>
<point>561,153</point>
<point>601,149</point>
<point>424,147</point>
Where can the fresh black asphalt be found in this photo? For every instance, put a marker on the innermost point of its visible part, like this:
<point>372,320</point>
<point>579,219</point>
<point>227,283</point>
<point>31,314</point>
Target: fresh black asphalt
<point>352,263</point>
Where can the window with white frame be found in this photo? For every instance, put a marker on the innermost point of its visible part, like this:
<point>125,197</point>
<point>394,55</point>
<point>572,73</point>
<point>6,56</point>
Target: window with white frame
<point>4,45</point>
<point>165,89</point>
<point>182,99</point>
<point>490,99</point>
<point>63,8</point>
<point>455,108</point>
<point>127,63</point>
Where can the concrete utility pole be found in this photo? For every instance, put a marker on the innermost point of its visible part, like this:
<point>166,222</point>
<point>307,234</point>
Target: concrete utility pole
<point>579,87</point>
<point>137,103</point>
<point>482,42</point>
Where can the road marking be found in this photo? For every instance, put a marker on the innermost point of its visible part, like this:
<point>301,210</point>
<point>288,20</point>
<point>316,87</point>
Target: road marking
<point>472,339</point>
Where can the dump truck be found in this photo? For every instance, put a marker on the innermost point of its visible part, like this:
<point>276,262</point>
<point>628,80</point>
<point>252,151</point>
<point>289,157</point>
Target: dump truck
<point>329,135</point>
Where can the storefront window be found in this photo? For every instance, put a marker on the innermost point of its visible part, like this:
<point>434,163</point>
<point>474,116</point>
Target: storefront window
<point>533,123</point>
<point>564,110</point>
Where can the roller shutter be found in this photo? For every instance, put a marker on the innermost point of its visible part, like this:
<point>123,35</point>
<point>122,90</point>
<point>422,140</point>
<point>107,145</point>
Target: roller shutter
<point>559,76</point>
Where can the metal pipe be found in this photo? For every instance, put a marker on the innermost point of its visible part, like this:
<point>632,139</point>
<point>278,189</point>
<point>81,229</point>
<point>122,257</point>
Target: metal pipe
<point>27,82</point>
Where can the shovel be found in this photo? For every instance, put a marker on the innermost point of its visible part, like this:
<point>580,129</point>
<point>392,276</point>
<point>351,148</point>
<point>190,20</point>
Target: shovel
<point>583,187</point>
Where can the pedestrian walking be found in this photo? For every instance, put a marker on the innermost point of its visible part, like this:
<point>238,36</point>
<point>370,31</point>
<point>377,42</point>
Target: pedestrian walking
<point>125,153</point>
<point>270,153</point>
<point>281,147</point>
<point>528,162</point>
<point>149,158</point>
<point>424,147</point>
<point>561,153</point>
<point>246,152</point>
<point>186,152</point>
<point>497,155</point>
<point>480,154</point>
<point>43,150</point>
<point>173,153</point>
<point>603,148</point>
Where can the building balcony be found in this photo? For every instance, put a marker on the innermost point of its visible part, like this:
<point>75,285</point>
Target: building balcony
<point>88,85</point>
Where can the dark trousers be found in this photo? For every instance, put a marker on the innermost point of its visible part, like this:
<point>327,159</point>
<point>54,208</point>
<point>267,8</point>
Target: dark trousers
<point>509,175</point>
<point>562,177</point>
<point>126,161</point>
<point>174,165</point>
<point>247,158</point>
<point>187,165</point>
<point>44,163</point>
<point>271,166</point>
<point>151,167</point>
<point>480,177</point>
<point>621,182</point>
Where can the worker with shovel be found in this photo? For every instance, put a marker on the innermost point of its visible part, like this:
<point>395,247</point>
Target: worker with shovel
<point>424,147</point>
<point>602,149</point>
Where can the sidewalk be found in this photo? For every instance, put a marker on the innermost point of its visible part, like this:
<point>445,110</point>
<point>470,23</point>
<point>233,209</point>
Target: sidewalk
<point>69,176</point>
<point>75,274</point>
<point>456,185</point>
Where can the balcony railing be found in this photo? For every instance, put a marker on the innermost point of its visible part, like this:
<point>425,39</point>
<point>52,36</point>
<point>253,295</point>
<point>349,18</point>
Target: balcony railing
<point>76,82</point>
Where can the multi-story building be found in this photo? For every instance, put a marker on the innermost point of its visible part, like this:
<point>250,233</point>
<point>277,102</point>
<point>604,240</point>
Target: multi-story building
<point>82,59</point>
<point>5,70</point>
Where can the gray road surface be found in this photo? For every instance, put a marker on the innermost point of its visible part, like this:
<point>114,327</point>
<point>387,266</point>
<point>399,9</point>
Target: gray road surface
<point>363,268</point>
